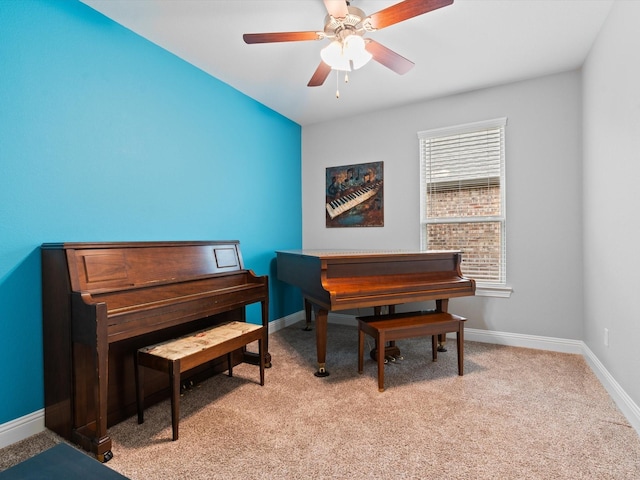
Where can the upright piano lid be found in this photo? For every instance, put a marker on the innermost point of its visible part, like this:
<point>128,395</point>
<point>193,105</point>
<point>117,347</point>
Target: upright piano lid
<point>327,253</point>
<point>113,265</point>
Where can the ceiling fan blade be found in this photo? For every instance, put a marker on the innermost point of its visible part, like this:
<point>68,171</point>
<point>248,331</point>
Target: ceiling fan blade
<point>404,11</point>
<point>336,8</point>
<point>388,58</point>
<point>320,75</point>
<point>279,37</point>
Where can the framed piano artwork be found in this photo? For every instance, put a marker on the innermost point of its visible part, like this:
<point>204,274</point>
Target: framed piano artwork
<point>354,195</point>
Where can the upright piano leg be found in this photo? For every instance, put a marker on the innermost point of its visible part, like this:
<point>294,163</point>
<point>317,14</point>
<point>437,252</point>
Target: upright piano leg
<point>90,353</point>
<point>103,453</point>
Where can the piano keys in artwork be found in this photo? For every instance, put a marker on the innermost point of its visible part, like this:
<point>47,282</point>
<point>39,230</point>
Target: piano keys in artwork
<point>350,200</point>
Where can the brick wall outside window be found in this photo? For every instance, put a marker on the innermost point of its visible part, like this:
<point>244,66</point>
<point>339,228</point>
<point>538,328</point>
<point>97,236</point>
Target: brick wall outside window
<point>479,241</point>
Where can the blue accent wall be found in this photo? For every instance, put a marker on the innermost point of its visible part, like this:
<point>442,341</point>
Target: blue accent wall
<point>104,136</point>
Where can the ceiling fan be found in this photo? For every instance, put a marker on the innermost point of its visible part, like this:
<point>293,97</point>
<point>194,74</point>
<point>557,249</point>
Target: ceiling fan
<point>346,26</point>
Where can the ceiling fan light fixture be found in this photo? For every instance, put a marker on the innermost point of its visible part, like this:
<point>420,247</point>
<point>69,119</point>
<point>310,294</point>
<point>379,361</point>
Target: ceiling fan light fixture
<point>354,49</point>
<point>333,55</point>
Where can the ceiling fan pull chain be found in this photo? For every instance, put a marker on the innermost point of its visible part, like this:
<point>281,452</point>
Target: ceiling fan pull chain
<point>337,83</point>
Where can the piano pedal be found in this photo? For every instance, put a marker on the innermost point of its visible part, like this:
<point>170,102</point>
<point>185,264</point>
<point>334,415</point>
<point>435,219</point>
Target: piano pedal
<point>398,358</point>
<point>389,359</point>
<point>186,386</point>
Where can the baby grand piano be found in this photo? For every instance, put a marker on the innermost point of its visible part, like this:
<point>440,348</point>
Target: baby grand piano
<point>103,301</point>
<point>342,280</point>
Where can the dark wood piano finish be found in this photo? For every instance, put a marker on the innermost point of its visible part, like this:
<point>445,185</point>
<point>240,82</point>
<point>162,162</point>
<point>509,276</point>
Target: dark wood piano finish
<point>341,280</point>
<point>103,301</point>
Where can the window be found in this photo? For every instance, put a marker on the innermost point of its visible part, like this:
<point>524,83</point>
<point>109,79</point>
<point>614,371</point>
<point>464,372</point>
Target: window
<point>463,197</point>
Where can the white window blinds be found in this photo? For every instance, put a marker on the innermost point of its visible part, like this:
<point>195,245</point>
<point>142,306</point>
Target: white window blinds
<point>462,196</point>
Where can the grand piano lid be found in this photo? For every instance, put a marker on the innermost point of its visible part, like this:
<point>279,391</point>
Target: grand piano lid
<point>363,252</point>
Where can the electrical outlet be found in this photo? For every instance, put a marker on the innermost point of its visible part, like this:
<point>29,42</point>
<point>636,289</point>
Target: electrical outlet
<point>606,337</point>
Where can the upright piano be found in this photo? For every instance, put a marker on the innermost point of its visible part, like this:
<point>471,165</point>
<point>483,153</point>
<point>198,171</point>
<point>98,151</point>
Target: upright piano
<point>103,301</point>
<point>342,280</point>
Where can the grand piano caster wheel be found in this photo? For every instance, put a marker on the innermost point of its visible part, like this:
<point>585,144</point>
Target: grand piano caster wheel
<point>105,457</point>
<point>322,371</point>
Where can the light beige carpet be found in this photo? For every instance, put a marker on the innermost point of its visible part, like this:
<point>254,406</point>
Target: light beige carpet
<point>515,414</point>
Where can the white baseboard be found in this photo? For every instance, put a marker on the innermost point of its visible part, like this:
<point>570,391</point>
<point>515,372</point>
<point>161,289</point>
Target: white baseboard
<point>552,344</point>
<point>623,401</point>
<point>285,321</point>
<point>23,427</point>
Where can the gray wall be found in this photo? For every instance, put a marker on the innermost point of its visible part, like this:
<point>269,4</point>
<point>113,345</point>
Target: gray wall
<point>611,196</point>
<point>544,194</point>
<point>573,142</point>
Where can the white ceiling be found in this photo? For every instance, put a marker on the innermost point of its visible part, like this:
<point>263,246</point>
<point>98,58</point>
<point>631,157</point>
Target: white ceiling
<point>465,46</point>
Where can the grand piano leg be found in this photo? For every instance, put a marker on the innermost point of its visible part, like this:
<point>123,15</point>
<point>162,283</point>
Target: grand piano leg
<point>321,334</point>
<point>442,305</point>
<point>307,315</point>
<point>321,341</point>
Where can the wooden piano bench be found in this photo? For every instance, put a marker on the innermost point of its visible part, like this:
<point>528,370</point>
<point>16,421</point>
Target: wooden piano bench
<point>179,355</point>
<point>397,326</point>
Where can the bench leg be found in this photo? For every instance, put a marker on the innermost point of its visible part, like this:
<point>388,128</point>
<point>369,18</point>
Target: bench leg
<point>229,365</point>
<point>260,353</point>
<point>174,379</point>
<point>460,345</point>
<point>434,347</point>
<point>360,350</point>
<point>380,362</point>
<point>139,376</point>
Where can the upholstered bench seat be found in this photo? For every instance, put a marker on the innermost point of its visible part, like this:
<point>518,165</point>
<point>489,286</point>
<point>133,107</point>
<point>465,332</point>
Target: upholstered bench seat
<point>179,355</point>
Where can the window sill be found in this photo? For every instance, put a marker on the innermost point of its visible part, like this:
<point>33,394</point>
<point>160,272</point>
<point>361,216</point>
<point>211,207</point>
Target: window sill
<point>489,290</point>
